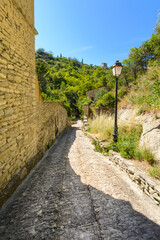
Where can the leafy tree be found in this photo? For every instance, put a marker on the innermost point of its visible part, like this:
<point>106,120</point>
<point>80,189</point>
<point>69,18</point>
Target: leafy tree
<point>147,54</point>
<point>42,70</point>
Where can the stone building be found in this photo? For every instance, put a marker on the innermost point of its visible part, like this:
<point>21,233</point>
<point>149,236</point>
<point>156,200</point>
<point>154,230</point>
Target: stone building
<point>27,124</point>
<point>104,65</point>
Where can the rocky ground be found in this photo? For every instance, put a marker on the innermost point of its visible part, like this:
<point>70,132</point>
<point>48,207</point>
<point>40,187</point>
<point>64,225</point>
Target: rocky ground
<point>76,193</point>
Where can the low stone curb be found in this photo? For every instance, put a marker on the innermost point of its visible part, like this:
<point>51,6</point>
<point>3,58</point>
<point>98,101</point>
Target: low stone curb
<point>141,179</point>
<point>146,183</point>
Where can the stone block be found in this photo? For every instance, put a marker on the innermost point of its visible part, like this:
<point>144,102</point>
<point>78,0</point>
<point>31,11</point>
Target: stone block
<point>3,76</point>
<point>2,61</point>
<point>10,66</point>
<point>8,111</point>
<point>1,113</point>
<point>18,79</point>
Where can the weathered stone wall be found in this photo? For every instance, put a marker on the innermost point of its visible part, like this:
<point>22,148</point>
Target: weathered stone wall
<point>147,184</point>
<point>51,120</point>
<point>27,126</point>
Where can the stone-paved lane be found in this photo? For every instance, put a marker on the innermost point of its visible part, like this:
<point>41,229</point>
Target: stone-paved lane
<point>75,193</point>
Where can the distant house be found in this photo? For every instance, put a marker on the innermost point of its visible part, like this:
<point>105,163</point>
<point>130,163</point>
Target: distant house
<point>91,94</point>
<point>104,65</point>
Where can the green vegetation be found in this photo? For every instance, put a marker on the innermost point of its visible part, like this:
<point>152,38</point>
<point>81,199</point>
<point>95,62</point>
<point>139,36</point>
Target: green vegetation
<point>97,146</point>
<point>146,92</point>
<point>147,55</point>
<point>155,171</point>
<point>141,73</point>
<point>129,135</point>
<point>128,140</point>
<point>67,80</point>
<point>107,101</point>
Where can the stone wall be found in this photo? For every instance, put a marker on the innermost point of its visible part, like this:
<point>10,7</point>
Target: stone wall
<point>149,185</point>
<point>51,120</point>
<point>27,126</point>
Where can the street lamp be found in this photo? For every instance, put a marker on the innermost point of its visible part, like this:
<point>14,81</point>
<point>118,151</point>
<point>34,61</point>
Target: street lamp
<point>117,69</point>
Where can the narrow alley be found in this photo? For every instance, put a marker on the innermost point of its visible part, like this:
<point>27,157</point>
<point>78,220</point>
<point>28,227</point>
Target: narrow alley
<point>76,193</point>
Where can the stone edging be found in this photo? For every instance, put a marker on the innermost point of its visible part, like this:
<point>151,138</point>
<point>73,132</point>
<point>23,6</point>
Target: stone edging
<point>146,183</point>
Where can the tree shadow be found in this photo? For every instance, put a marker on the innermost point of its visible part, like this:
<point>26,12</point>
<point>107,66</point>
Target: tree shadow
<point>53,203</point>
<point>158,127</point>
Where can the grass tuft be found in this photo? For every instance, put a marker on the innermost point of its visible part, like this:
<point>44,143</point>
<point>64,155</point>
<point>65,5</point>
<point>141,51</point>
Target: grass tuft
<point>155,171</point>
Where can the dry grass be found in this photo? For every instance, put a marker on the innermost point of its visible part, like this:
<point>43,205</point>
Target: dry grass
<point>141,92</point>
<point>124,101</point>
<point>102,126</point>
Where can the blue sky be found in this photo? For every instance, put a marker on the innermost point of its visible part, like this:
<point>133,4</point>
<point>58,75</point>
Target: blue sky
<point>94,30</point>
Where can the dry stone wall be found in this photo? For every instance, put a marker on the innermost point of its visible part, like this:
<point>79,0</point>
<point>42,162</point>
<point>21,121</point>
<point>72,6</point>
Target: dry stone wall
<point>27,127</point>
<point>147,184</point>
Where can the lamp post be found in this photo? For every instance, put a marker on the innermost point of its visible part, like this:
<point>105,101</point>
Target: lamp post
<point>117,69</point>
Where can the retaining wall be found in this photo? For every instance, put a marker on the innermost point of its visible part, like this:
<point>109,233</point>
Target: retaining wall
<point>149,186</point>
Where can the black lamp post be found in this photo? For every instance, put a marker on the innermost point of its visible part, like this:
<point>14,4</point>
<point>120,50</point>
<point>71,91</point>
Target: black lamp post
<point>117,69</point>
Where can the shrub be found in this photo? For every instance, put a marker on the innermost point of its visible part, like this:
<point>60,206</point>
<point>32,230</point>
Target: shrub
<point>107,100</point>
<point>127,146</point>
<point>99,94</point>
<point>129,138</point>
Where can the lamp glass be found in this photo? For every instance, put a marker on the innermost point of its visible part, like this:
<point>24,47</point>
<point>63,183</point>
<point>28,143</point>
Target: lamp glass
<point>117,69</point>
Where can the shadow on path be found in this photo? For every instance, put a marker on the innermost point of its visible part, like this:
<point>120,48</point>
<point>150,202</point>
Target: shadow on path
<point>53,203</point>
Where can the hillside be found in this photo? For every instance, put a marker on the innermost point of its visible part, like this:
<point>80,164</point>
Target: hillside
<point>144,93</point>
<point>67,80</point>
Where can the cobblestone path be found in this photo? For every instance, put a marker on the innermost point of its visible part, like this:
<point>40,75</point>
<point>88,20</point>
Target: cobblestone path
<point>76,193</point>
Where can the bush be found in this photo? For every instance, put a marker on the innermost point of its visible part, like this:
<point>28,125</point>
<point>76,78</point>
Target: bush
<point>99,94</point>
<point>127,146</point>
<point>107,100</point>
